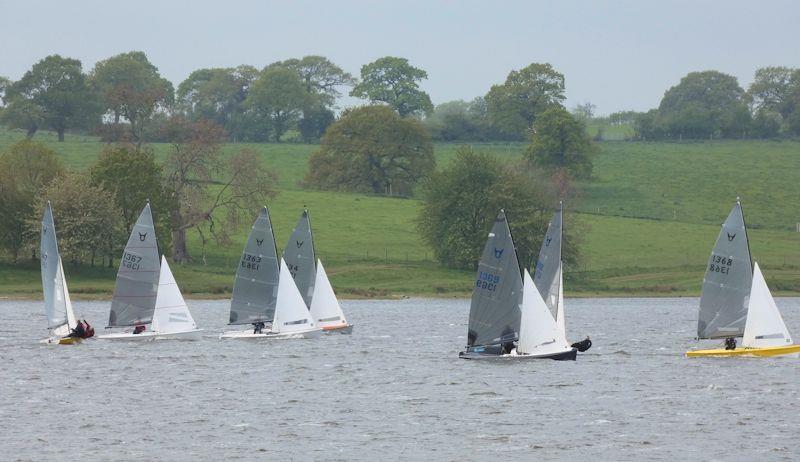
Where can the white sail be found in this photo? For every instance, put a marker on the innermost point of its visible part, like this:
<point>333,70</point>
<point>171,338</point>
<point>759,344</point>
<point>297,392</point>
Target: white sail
<point>291,313</point>
<point>325,309</point>
<point>61,290</point>
<point>538,333</point>
<point>171,314</point>
<point>764,326</point>
<point>57,305</point>
<point>561,321</point>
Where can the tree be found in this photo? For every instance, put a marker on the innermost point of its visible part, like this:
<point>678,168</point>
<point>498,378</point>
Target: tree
<point>212,191</point>
<point>278,97</point>
<point>320,76</point>
<point>584,112</point>
<point>54,93</point>
<point>25,169</point>
<point>702,105</point>
<point>131,87</point>
<point>514,105</point>
<point>218,94</point>
<point>772,90</point>
<point>86,218</point>
<point>395,82</point>
<point>133,177</point>
<point>457,121</point>
<point>461,202</point>
<point>560,143</point>
<point>371,149</point>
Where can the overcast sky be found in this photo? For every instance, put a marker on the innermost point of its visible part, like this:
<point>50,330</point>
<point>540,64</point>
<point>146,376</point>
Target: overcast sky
<point>618,55</point>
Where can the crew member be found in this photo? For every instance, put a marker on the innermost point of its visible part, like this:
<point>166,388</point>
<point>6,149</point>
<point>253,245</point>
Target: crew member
<point>730,343</point>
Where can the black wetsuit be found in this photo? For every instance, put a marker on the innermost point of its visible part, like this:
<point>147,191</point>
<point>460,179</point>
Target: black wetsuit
<point>583,345</point>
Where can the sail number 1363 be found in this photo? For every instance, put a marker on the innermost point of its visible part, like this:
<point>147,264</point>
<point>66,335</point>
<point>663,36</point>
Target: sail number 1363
<point>251,262</point>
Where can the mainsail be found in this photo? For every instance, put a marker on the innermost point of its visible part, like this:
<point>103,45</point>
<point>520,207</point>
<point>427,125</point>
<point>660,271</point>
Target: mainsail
<point>494,313</point>
<point>255,290</point>
<point>57,306</point>
<point>137,278</point>
<point>726,285</point>
<point>300,258</point>
<point>547,275</point>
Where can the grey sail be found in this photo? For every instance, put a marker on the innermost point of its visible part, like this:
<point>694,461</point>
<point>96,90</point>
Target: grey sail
<point>726,286</point>
<point>494,313</point>
<point>255,289</point>
<point>546,276</point>
<point>137,277</point>
<point>300,259</point>
<point>55,304</point>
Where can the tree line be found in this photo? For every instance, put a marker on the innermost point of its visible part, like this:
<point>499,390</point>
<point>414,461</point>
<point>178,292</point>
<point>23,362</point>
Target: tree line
<point>195,188</point>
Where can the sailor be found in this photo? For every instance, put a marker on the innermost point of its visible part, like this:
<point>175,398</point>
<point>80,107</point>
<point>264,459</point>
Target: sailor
<point>89,330</point>
<point>79,331</point>
<point>257,326</point>
<point>138,328</point>
<point>730,343</point>
<point>583,345</point>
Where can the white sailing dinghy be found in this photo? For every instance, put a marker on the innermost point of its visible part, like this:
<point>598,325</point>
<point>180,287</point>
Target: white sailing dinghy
<point>501,303</point>
<point>736,302</point>
<point>312,282</point>
<point>146,292</point>
<point>325,309</point>
<point>57,304</point>
<point>255,289</point>
<point>549,275</point>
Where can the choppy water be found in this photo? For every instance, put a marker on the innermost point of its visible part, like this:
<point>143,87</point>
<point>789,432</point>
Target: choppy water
<point>395,389</point>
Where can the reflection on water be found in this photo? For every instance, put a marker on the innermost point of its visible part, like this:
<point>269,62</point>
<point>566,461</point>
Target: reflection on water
<point>395,389</point>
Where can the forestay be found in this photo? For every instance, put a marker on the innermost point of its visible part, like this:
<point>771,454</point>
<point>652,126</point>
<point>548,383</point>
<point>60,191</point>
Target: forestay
<point>325,308</point>
<point>255,289</point>
<point>299,257</point>
<point>726,285</point>
<point>764,326</point>
<point>291,314</point>
<point>171,314</point>
<point>137,278</point>
<point>494,314</point>
<point>546,274</point>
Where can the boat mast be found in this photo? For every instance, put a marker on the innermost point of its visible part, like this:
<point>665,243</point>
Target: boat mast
<point>746,237</point>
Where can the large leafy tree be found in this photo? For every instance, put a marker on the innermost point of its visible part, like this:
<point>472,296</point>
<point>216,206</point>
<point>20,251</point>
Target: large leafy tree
<point>133,177</point>
<point>212,191</point>
<point>458,121</point>
<point>395,82</point>
<point>775,94</point>
<point>277,97</point>
<point>131,87</point>
<point>704,104</point>
<point>560,143</point>
<point>372,149</point>
<point>218,94</point>
<point>461,202</point>
<point>25,169</point>
<point>54,94</point>
<point>86,218</point>
<point>321,77</point>
<point>513,106</point>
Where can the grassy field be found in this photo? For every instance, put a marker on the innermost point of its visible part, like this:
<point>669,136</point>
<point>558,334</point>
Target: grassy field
<point>651,214</point>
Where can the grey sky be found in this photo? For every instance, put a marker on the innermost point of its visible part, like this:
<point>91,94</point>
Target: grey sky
<point>619,55</point>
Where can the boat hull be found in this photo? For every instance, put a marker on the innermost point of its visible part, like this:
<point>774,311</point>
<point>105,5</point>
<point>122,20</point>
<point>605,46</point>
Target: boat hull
<point>569,355</point>
<point>788,350</point>
<point>62,340</point>
<point>346,329</point>
<point>267,335</point>
<point>194,334</point>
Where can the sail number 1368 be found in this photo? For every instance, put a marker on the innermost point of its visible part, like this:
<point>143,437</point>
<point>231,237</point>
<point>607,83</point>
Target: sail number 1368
<point>487,281</point>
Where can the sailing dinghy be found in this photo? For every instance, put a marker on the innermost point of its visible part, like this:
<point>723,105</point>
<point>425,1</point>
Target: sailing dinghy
<point>505,310</point>
<point>57,304</point>
<point>549,275</point>
<point>146,292</point>
<point>312,281</point>
<point>736,302</point>
<point>255,289</point>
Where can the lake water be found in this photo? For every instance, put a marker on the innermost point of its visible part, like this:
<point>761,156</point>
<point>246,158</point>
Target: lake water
<point>395,389</point>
